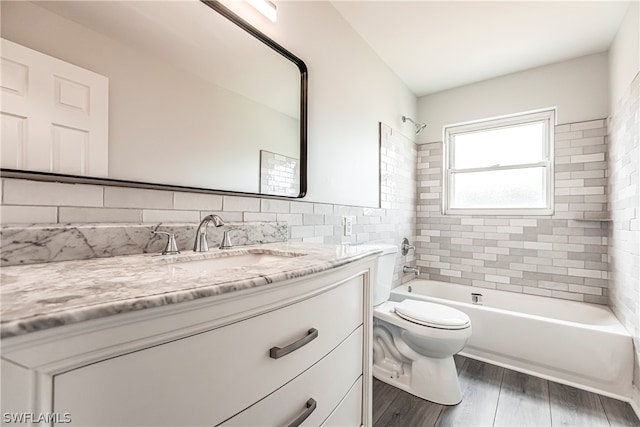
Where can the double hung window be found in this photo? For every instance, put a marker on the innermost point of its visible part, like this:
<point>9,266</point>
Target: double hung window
<point>500,166</point>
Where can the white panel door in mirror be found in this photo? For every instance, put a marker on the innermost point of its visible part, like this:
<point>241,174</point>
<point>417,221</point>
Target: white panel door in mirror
<point>54,114</point>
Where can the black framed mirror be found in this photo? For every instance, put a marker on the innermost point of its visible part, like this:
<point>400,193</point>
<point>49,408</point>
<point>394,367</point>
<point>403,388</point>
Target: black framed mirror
<point>179,95</point>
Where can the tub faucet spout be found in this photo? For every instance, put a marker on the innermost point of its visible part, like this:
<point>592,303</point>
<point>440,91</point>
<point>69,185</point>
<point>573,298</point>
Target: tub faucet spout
<point>200,244</point>
<point>414,270</point>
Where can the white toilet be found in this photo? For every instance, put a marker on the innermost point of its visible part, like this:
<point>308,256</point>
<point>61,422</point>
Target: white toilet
<point>414,341</point>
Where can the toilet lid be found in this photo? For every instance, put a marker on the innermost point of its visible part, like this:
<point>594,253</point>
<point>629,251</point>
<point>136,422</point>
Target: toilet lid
<point>431,314</point>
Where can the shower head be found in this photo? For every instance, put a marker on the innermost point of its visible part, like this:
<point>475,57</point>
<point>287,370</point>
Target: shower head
<point>419,126</point>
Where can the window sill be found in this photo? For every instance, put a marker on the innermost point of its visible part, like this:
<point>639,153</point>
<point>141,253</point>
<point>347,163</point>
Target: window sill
<point>505,212</point>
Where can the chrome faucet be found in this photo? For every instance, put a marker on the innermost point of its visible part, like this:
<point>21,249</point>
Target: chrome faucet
<point>414,270</point>
<point>201,245</point>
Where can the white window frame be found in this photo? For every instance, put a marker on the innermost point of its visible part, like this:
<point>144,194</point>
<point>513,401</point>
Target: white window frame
<point>546,116</point>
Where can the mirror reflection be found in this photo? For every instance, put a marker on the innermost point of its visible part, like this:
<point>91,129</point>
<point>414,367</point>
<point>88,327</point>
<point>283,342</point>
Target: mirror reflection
<point>169,93</point>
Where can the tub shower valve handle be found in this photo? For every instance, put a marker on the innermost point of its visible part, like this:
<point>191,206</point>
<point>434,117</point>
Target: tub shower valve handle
<point>172,247</point>
<point>406,247</point>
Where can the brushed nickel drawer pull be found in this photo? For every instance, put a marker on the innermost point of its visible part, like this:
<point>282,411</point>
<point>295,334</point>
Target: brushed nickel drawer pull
<point>311,406</point>
<point>278,352</point>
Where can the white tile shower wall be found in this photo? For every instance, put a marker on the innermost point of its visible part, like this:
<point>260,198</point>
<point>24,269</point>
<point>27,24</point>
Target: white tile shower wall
<point>35,204</point>
<point>624,201</point>
<point>398,191</point>
<point>561,256</point>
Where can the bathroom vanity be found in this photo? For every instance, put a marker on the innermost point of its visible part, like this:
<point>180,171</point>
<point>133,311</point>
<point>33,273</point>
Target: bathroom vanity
<point>276,334</point>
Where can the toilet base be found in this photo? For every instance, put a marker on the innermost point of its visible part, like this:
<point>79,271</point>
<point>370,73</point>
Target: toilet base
<point>435,380</point>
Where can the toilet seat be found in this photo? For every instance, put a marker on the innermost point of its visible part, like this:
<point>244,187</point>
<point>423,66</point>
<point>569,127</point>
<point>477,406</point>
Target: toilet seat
<point>432,315</point>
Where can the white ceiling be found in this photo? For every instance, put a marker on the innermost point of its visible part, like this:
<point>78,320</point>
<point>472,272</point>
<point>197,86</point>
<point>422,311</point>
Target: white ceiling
<point>437,45</point>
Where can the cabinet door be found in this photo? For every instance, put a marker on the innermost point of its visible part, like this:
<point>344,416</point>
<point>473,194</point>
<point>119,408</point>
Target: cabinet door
<point>314,394</point>
<point>206,378</point>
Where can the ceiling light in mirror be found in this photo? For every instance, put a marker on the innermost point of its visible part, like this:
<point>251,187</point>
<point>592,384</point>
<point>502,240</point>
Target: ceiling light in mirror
<point>265,7</point>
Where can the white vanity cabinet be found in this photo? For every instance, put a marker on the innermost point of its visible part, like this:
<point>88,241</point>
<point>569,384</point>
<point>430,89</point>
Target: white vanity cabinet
<point>297,351</point>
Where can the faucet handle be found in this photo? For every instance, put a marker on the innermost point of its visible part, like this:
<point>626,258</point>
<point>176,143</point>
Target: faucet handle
<point>406,247</point>
<point>172,247</point>
<point>226,241</point>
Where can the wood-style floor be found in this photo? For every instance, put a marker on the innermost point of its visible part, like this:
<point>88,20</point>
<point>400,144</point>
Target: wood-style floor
<point>495,396</point>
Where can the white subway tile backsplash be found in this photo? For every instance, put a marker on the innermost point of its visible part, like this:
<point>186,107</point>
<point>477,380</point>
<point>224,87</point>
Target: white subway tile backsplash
<point>240,204</point>
<point>226,216</point>
<point>302,207</point>
<point>29,214</point>
<point>197,201</point>
<point>291,219</point>
<point>324,230</point>
<point>122,197</point>
<point>170,215</point>
<point>259,217</point>
<point>98,215</point>
<point>24,192</point>
<point>312,219</point>
<point>276,206</point>
<point>322,209</point>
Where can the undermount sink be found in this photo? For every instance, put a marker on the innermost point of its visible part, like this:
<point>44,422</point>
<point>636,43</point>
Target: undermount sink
<point>227,261</point>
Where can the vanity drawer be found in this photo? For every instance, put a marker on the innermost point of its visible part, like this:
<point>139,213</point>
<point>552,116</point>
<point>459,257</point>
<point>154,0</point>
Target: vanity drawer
<point>349,411</point>
<point>206,378</point>
<point>316,392</point>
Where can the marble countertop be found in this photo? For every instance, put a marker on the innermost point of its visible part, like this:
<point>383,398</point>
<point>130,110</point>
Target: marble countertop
<point>41,296</point>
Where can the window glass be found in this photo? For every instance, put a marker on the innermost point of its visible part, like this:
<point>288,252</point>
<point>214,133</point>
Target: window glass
<point>500,166</point>
<point>511,188</point>
<point>504,146</point>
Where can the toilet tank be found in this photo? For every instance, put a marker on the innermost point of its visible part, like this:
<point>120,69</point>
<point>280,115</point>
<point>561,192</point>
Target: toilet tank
<point>383,278</point>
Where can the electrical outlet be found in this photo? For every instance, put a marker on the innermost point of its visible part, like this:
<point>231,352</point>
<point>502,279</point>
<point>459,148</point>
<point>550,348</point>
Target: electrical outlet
<point>348,225</point>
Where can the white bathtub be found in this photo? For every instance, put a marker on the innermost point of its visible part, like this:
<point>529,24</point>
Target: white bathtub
<point>574,343</point>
